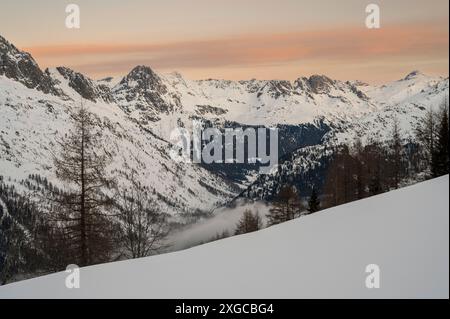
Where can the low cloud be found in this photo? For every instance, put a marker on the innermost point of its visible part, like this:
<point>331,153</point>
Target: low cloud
<point>224,219</point>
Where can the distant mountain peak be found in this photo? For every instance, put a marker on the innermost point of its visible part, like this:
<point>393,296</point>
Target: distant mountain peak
<point>145,89</point>
<point>414,74</point>
<point>142,71</point>
<point>320,83</point>
<point>316,84</point>
<point>143,78</point>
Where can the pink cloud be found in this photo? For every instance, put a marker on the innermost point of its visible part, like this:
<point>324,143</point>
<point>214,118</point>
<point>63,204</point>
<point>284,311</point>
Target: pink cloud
<point>342,45</point>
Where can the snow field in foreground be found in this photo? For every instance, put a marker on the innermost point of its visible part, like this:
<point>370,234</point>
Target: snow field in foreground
<point>324,255</point>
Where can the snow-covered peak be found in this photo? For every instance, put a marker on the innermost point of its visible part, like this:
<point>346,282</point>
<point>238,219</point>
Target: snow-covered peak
<point>20,66</point>
<point>143,78</point>
<point>316,84</point>
<point>407,90</point>
<point>143,94</point>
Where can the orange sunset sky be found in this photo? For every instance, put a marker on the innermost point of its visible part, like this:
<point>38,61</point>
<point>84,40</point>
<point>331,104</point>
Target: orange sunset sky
<point>233,39</point>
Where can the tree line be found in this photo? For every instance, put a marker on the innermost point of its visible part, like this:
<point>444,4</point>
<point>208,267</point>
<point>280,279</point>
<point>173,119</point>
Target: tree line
<point>287,205</point>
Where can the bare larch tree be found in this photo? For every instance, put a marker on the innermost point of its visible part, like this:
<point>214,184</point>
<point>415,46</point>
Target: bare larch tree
<point>81,211</point>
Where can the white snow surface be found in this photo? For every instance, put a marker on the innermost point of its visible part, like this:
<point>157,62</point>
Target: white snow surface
<point>324,255</point>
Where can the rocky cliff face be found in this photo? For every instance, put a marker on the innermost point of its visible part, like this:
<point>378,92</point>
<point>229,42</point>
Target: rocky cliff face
<point>86,87</point>
<point>20,66</point>
<point>143,89</point>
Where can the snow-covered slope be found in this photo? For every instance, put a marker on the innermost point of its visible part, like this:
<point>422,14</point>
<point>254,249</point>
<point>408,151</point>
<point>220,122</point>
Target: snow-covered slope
<point>324,255</point>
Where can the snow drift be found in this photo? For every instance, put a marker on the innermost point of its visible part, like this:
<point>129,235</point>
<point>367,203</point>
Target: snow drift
<point>324,255</point>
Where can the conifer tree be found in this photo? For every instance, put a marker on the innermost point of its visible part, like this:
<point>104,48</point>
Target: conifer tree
<point>248,223</point>
<point>440,160</point>
<point>426,135</point>
<point>313,203</point>
<point>375,187</point>
<point>286,206</point>
<point>396,154</point>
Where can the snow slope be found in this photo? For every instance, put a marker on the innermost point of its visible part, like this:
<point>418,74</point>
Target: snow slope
<point>404,232</point>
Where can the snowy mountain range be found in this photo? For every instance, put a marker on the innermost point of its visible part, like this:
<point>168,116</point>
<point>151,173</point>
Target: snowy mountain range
<point>138,111</point>
<point>404,101</point>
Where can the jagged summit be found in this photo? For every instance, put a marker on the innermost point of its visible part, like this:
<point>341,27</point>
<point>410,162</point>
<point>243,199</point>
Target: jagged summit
<point>141,72</point>
<point>21,66</point>
<point>142,69</point>
<point>316,84</point>
<point>143,78</point>
<point>144,91</point>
